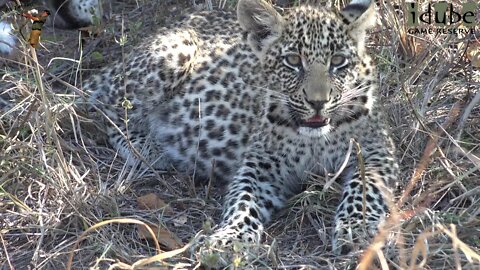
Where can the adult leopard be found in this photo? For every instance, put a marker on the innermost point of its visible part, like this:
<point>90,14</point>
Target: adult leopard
<point>267,98</point>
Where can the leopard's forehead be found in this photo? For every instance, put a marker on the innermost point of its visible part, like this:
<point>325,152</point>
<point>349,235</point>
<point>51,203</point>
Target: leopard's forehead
<point>315,30</point>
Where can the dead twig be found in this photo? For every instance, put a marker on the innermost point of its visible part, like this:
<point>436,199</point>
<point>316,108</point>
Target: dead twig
<point>432,144</point>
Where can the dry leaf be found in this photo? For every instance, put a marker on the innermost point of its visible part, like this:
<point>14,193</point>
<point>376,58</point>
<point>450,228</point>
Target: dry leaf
<point>180,221</point>
<point>152,202</point>
<point>473,54</point>
<point>165,237</point>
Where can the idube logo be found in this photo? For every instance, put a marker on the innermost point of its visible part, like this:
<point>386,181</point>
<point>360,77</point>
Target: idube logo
<point>441,18</point>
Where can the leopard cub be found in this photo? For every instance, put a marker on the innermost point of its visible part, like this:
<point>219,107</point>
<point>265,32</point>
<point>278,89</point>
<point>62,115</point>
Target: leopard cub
<point>268,97</point>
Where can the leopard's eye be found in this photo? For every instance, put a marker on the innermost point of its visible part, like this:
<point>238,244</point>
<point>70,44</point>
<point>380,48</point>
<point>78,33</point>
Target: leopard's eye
<point>293,61</point>
<point>338,61</point>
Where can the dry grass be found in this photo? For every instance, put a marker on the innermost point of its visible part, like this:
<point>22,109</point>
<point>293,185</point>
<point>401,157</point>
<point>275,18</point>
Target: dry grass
<point>58,178</point>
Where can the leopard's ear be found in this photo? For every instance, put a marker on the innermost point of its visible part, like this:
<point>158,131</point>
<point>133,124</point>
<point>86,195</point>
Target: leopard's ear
<point>359,16</point>
<point>262,23</point>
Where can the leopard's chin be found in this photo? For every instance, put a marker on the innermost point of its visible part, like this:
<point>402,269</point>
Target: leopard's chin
<point>315,132</point>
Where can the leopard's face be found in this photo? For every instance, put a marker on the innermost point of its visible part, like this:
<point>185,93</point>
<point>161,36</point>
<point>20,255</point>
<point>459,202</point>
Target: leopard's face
<point>318,72</point>
<point>315,65</point>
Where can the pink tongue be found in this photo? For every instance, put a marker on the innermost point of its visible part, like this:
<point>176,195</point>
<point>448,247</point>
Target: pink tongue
<point>316,118</point>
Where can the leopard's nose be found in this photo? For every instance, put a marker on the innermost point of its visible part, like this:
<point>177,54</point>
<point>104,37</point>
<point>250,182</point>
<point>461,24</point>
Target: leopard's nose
<point>317,105</point>
<point>317,97</point>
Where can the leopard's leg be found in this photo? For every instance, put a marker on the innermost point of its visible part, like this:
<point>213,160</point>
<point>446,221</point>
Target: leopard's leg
<point>129,146</point>
<point>365,201</point>
<point>257,191</point>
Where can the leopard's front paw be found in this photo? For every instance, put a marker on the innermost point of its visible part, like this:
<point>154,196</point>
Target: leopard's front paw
<point>222,249</point>
<point>352,238</point>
